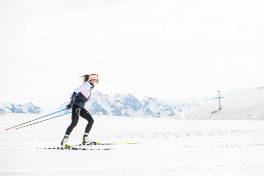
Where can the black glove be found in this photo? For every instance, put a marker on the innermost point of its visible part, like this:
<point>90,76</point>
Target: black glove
<point>69,106</point>
<point>72,100</point>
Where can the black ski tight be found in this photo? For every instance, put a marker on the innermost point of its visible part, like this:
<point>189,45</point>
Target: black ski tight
<point>76,112</point>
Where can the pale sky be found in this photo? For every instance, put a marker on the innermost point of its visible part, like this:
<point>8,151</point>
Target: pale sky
<point>163,48</point>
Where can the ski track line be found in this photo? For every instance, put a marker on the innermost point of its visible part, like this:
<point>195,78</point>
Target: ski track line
<point>225,146</point>
<point>189,134</point>
<point>167,168</point>
<point>20,174</point>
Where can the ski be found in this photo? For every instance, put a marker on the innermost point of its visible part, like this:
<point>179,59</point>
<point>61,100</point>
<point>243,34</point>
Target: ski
<point>95,143</point>
<point>76,148</point>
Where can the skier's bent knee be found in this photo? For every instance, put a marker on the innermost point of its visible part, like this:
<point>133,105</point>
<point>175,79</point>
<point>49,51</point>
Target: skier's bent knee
<point>91,121</point>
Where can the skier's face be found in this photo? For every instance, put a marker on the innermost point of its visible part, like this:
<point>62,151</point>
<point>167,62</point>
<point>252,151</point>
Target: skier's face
<point>94,79</point>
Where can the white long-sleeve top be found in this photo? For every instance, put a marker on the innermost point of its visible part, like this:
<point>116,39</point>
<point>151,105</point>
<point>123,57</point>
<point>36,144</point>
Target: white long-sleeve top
<point>85,89</point>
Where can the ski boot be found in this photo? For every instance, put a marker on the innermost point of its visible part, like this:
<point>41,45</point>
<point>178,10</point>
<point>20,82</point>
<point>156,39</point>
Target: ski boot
<point>87,141</point>
<point>64,141</point>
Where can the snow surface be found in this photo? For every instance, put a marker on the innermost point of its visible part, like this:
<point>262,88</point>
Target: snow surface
<point>165,147</point>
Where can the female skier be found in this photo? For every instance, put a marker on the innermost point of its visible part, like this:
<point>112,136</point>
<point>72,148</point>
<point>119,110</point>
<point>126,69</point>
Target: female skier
<point>78,99</point>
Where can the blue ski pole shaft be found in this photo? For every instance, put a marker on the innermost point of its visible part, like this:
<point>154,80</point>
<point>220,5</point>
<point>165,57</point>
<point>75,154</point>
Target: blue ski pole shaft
<point>34,119</point>
<point>41,121</point>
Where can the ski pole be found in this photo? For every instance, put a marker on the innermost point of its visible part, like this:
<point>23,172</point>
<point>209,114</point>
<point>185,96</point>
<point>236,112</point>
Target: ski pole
<point>41,121</point>
<point>34,119</point>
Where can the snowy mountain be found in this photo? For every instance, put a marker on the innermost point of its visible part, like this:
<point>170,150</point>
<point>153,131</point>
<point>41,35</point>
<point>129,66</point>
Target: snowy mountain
<point>18,108</point>
<point>115,105</point>
<point>129,105</point>
<point>238,104</point>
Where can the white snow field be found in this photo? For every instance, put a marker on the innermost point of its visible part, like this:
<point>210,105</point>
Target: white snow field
<point>244,103</point>
<point>165,147</point>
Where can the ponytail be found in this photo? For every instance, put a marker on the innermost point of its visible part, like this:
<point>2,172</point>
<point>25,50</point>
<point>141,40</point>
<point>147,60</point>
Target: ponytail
<point>85,78</point>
